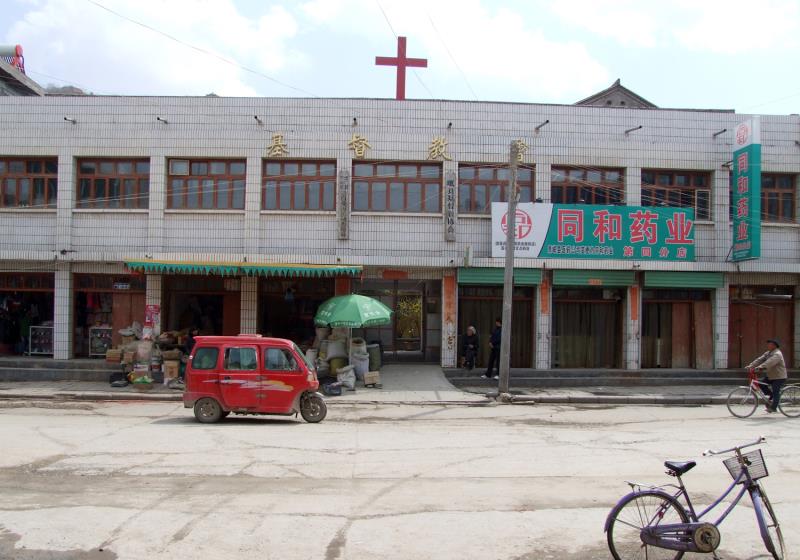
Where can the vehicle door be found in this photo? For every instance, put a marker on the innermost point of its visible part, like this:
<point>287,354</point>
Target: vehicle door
<point>284,379</point>
<point>239,377</point>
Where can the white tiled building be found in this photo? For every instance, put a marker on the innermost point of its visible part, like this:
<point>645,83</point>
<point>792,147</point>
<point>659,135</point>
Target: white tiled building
<point>147,200</point>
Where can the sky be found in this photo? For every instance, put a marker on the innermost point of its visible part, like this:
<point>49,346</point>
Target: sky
<point>710,54</point>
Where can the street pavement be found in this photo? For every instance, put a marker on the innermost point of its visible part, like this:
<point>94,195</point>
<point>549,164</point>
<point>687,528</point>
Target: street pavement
<point>135,480</point>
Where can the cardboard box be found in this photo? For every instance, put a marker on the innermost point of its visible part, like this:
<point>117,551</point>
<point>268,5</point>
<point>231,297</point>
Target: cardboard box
<point>171,369</point>
<point>372,378</point>
<point>128,357</point>
<point>113,356</point>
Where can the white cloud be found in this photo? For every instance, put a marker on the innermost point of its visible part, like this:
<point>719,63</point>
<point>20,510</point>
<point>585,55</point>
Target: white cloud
<point>625,21</point>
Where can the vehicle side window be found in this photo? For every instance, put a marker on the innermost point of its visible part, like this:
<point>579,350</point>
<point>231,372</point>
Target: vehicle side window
<point>205,358</point>
<point>278,359</point>
<point>241,359</point>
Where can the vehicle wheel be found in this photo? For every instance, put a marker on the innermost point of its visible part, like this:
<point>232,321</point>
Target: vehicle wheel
<point>790,401</point>
<point>207,411</point>
<point>637,511</point>
<point>768,523</point>
<point>313,408</point>
<point>742,402</point>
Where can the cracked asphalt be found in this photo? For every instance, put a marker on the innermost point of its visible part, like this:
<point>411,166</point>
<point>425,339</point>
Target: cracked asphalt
<point>136,480</point>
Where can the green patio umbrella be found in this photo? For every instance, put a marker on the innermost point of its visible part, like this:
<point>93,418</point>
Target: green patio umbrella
<point>353,311</point>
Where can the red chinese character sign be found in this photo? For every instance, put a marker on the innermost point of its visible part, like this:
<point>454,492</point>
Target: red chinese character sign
<point>596,232</point>
<point>746,191</point>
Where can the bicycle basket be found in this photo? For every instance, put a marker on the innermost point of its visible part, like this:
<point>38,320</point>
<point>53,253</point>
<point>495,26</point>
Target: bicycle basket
<point>754,461</point>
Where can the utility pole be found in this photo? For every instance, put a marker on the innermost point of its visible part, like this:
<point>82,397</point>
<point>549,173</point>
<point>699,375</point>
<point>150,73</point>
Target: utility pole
<point>508,277</point>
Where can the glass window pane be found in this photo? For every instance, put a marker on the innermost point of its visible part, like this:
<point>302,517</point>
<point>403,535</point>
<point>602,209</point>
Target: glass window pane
<point>299,195</point>
<point>84,192</point>
<point>648,178</point>
<point>199,168</point>
<point>88,168</point>
<point>285,196</point>
<point>100,190</point>
<point>327,197</point>
<point>600,196</point>
<point>663,180</point>
<point>223,193</point>
<point>362,170</point>
<point>700,180</point>
<point>124,167</point>
<point>106,167</point>
<point>51,166</point>
<point>681,180</point>
<point>34,166</point>
<point>379,196</point>
<point>52,192</point>
<point>485,173</point>
<point>414,195</point>
<point>178,167</point>
<point>193,193</point>
<point>703,206</point>
<point>524,174</point>
<point>594,176</point>
<point>572,195</point>
<point>613,176</point>
<point>361,196</point>
<point>787,206</point>
<point>466,172</point>
<point>129,194</point>
<point>271,196</point>
<point>143,167</point>
<point>176,197</point>
<point>218,168</point>
<point>480,203</point>
<point>772,205</point>
<point>208,193</point>
<point>525,194</point>
<point>2,166</point>
<point>504,174</point>
<point>327,169</point>
<point>557,175</point>
<point>113,193</point>
<point>429,171</point>
<point>396,192</point>
<point>144,193</point>
<point>309,169</point>
<point>313,195</point>
<point>767,181</point>
<point>408,171</point>
<point>785,182</point>
<point>272,169</point>
<point>16,167</point>
<point>432,198</point>
<point>237,167</point>
<point>387,171</point>
<point>38,192</point>
<point>205,358</point>
<point>10,193</point>
<point>557,195</point>
<point>464,202</point>
<point>495,193</point>
<point>576,175</point>
<point>238,194</point>
<point>291,169</point>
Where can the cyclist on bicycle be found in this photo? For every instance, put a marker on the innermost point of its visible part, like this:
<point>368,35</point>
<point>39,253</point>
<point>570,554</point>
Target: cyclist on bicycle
<point>772,363</point>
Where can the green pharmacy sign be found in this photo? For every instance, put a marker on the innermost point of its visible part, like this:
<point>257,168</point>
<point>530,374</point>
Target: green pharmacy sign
<point>577,231</point>
<point>746,191</point>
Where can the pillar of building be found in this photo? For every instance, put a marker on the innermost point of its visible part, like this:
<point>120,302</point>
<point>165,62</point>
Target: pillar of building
<point>543,181</point>
<point>721,305</point>
<point>65,202</point>
<point>249,300</point>
<point>449,319</point>
<point>63,313</point>
<point>156,205</point>
<point>633,186</point>
<point>252,211</point>
<point>721,214</point>
<point>544,323</point>
<point>342,285</point>
<point>632,346</point>
<point>796,341</point>
<point>344,165</point>
<point>153,298</point>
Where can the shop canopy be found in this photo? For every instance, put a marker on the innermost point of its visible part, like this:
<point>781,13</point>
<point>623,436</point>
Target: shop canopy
<point>243,269</point>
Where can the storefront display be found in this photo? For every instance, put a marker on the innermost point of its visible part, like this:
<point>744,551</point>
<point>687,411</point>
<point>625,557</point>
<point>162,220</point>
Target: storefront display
<point>100,340</point>
<point>40,341</point>
<point>26,300</point>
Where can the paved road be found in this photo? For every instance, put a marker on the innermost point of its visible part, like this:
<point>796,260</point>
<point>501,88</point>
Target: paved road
<point>143,480</point>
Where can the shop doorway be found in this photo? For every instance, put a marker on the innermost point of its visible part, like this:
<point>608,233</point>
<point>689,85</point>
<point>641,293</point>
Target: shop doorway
<point>287,306</point>
<point>26,313</point>
<point>479,306</point>
<point>587,328</point>
<point>210,303</point>
<point>677,329</point>
<point>756,314</point>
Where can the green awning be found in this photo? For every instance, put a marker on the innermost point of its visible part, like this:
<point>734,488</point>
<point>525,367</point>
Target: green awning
<point>677,280</point>
<point>614,278</point>
<point>494,276</point>
<point>242,269</point>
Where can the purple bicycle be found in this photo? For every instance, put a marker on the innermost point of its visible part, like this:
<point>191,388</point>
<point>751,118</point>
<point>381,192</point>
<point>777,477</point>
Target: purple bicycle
<point>652,523</point>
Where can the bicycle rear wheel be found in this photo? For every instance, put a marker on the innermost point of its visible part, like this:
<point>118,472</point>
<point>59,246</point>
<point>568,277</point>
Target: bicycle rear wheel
<point>632,514</point>
<point>742,402</point>
<point>790,401</point>
<point>768,524</point>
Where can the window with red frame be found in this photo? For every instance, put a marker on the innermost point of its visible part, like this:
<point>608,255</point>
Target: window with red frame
<point>480,185</point>
<point>299,185</point>
<point>397,187</point>
<point>113,183</point>
<point>206,184</point>
<point>581,185</point>
<point>682,189</point>
<point>778,191</point>
<point>28,182</point>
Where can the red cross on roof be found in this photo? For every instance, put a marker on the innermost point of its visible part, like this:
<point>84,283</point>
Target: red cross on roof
<point>402,63</point>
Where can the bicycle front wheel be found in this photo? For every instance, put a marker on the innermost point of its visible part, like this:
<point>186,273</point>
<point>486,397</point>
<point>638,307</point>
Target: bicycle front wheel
<point>790,401</point>
<point>768,524</point>
<point>742,402</point>
<point>635,512</point>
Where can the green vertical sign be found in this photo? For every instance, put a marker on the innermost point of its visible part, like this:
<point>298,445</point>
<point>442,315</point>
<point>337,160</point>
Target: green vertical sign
<point>746,191</point>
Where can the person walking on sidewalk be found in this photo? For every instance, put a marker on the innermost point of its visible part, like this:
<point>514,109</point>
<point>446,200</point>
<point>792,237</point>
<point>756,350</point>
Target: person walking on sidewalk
<point>494,353</point>
<point>771,362</point>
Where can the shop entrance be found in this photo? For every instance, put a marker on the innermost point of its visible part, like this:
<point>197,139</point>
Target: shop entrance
<point>587,328</point>
<point>211,303</point>
<point>26,313</point>
<point>479,306</point>
<point>287,306</point>
<point>677,329</point>
<point>756,314</point>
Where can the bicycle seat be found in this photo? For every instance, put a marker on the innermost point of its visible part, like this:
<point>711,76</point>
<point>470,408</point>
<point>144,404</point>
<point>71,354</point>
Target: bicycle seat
<point>680,467</point>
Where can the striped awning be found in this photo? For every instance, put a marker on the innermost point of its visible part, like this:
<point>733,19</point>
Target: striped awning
<point>243,269</point>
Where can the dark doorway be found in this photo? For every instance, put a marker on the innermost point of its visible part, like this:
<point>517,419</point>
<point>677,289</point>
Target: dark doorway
<point>677,329</point>
<point>587,328</point>
<point>756,314</point>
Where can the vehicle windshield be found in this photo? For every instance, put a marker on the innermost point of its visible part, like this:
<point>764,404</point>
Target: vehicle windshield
<point>300,353</point>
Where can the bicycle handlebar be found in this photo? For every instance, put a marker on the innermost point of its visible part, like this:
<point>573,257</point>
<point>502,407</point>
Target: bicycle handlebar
<point>709,452</point>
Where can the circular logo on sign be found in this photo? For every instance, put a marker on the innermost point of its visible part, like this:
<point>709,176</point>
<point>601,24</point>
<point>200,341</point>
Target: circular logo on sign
<point>742,133</point>
<point>523,224</point>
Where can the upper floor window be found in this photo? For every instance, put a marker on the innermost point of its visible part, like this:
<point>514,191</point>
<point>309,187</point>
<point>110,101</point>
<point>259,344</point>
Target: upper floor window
<point>582,185</point>
<point>479,186</point>
<point>28,182</point>
<point>683,189</point>
<point>298,185</point>
<point>401,187</point>
<point>113,183</point>
<point>199,184</point>
<point>778,191</point>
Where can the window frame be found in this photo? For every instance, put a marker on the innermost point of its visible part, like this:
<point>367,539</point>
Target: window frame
<point>201,179</point>
<point>141,194</point>
<point>195,357</point>
<point>673,192</point>
<point>288,355</point>
<point>476,181</point>
<point>371,181</point>
<point>296,181</point>
<point>605,185</point>
<point>792,200</point>
<point>49,182</point>
<point>225,357</point>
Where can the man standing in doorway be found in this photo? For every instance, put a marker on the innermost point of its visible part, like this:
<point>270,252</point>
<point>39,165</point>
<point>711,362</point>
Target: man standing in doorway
<point>773,364</point>
<point>494,353</point>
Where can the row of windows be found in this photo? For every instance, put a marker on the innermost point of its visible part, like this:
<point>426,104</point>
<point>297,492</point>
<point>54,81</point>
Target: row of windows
<point>377,187</point>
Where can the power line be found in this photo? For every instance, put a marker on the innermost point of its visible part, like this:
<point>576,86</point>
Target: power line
<point>452,57</point>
